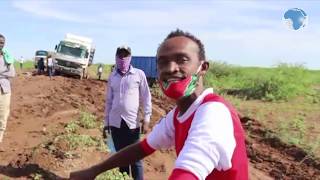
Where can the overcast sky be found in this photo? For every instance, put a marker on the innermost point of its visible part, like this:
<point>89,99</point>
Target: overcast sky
<point>247,33</point>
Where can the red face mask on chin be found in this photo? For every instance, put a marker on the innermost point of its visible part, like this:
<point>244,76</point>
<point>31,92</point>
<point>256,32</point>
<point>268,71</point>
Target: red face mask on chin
<point>176,90</point>
<point>182,88</point>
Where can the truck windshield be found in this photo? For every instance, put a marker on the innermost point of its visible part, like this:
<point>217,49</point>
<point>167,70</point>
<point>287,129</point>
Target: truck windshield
<point>41,53</point>
<point>71,51</point>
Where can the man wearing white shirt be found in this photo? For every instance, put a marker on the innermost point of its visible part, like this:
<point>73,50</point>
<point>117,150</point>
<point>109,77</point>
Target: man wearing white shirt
<point>127,87</point>
<point>50,66</point>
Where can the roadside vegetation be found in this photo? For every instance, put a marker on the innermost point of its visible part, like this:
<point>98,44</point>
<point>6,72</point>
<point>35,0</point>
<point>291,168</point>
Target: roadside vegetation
<point>285,98</point>
<point>281,83</point>
<point>76,137</point>
<point>27,65</point>
<point>93,71</point>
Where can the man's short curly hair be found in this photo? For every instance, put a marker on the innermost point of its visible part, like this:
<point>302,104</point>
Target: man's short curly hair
<point>178,32</point>
<point>2,36</point>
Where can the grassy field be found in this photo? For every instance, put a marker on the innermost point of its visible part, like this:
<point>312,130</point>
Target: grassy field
<point>286,99</point>
<point>26,65</point>
<point>93,71</point>
<point>283,82</point>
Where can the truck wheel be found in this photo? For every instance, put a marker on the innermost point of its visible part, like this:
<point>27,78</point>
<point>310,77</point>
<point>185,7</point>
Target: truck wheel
<point>56,72</point>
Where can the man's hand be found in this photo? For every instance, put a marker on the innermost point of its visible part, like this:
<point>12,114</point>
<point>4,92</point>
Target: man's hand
<point>145,128</point>
<point>86,174</point>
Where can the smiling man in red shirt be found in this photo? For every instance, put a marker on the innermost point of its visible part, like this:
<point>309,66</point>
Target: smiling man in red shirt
<point>204,129</point>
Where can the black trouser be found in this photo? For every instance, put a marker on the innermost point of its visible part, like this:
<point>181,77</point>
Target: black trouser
<point>50,73</point>
<point>123,137</point>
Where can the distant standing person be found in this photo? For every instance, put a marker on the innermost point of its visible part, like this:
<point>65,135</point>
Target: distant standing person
<point>21,62</point>
<point>126,87</point>
<point>100,69</point>
<point>6,72</point>
<point>50,66</point>
<point>40,66</point>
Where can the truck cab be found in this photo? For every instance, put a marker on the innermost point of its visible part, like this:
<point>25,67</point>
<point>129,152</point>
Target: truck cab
<point>73,55</point>
<point>38,55</point>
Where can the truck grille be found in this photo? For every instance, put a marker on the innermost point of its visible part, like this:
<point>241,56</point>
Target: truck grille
<point>68,64</point>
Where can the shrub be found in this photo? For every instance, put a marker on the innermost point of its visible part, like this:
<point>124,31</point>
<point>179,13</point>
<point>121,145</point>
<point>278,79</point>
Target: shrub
<point>113,174</point>
<point>74,140</point>
<point>71,127</point>
<point>271,84</point>
<point>87,120</point>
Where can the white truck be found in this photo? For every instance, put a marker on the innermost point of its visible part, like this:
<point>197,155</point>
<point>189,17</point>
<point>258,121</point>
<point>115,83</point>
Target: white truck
<point>38,55</point>
<point>73,55</point>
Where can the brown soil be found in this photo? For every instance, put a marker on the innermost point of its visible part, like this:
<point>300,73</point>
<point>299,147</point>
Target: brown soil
<point>41,107</point>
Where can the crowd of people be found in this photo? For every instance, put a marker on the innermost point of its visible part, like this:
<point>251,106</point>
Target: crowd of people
<point>203,128</point>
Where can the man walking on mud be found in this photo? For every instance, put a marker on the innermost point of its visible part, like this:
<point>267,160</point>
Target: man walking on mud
<point>6,72</point>
<point>204,129</point>
<point>99,71</point>
<point>127,86</point>
<point>50,66</point>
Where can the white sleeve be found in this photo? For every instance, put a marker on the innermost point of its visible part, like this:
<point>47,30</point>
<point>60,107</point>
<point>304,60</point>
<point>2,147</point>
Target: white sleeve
<point>108,102</point>
<point>145,96</point>
<point>210,143</point>
<point>162,135</point>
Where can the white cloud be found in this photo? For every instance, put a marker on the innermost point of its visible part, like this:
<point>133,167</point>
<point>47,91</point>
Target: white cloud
<point>46,9</point>
<point>158,18</point>
<point>164,14</point>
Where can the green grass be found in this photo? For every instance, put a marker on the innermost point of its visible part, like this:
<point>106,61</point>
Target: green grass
<point>78,140</point>
<point>113,174</point>
<point>283,82</point>
<point>75,140</point>
<point>285,98</point>
<point>29,64</point>
<point>293,131</point>
<point>36,176</point>
<point>93,71</point>
<point>72,127</point>
<point>87,120</point>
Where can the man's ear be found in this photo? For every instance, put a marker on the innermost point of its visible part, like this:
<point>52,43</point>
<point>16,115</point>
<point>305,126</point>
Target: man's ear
<point>204,68</point>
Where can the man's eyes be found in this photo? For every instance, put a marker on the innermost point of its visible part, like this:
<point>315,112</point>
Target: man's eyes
<point>182,59</point>
<point>178,60</point>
